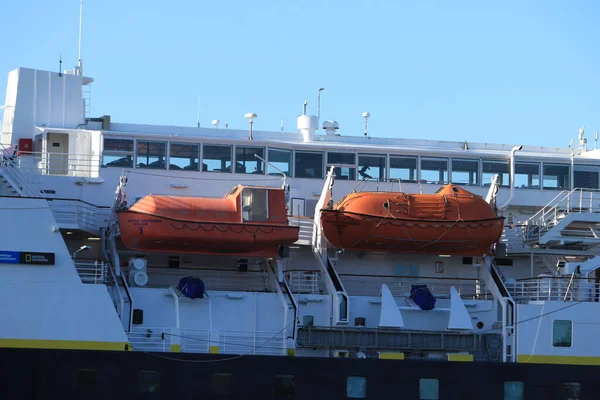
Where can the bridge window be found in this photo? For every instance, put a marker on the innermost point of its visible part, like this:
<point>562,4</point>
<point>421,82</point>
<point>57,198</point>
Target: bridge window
<point>216,158</point>
<point>372,167</point>
<point>465,172</point>
<point>586,176</point>
<point>149,381</point>
<point>356,387</point>
<point>434,170</point>
<point>562,333</point>
<point>184,156</point>
<point>513,390</point>
<point>151,155</point>
<point>556,176</point>
<point>309,165</point>
<point>222,383</point>
<point>282,160</point>
<point>117,153</point>
<point>429,389</point>
<point>491,168</point>
<point>87,380</point>
<point>403,169</point>
<point>344,163</point>
<point>527,175</point>
<point>284,385</point>
<point>246,162</point>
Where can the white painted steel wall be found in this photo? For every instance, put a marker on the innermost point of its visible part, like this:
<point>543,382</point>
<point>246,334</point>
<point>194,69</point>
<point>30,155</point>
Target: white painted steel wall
<point>27,225</point>
<point>58,311</point>
<point>535,328</point>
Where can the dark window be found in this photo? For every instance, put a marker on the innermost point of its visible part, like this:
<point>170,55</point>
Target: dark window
<point>309,165</point>
<point>372,167</point>
<point>527,175</point>
<point>87,379</point>
<point>491,168</point>
<point>216,158</point>
<point>284,385</point>
<point>117,153</point>
<point>562,333</point>
<point>280,159</point>
<point>434,170</point>
<point>341,158</point>
<point>467,260</point>
<point>125,145</point>
<point>403,169</point>
<point>568,391</point>
<point>149,381</point>
<point>465,172</point>
<point>184,156</point>
<point>556,176</point>
<point>586,176</point>
<point>513,390</point>
<point>246,162</point>
<point>356,387</point>
<point>222,383</point>
<point>151,155</point>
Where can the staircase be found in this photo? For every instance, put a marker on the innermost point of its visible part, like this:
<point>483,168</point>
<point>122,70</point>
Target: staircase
<point>572,218</point>
<point>6,188</point>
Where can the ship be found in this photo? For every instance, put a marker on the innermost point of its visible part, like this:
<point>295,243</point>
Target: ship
<point>91,311</point>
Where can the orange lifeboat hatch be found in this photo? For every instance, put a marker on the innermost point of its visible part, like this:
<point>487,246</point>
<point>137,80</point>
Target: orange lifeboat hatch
<point>451,221</point>
<point>248,221</point>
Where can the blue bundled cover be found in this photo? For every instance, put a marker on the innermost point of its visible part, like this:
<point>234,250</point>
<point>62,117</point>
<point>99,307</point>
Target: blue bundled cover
<point>191,287</point>
<point>422,297</point>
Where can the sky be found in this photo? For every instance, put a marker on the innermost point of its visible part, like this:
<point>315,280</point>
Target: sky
<point>501,72</point>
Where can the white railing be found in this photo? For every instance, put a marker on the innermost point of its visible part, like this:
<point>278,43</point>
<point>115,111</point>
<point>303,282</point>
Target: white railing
<point>214,279</point>
<point>553,289</point>
<point>578,200</point>
<point>92,272</point>
<point>513,238</point>
<point>150,339</point>
<point>228,341</point>
<point>306,225</point>
<point>9,169</point>
<point>306,282</point>
<point>76,214</point>
<point>400,286</point>
<point>62,164</point>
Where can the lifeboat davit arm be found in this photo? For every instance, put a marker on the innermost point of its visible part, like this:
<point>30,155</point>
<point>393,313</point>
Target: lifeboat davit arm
<point>493,192</point>
<point>318,238</point>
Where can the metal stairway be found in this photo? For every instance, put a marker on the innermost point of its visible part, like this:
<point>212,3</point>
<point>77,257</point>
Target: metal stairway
<point>571,219</point>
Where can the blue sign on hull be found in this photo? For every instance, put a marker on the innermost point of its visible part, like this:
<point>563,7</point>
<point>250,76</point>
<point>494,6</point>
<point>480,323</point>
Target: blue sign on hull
<point>26,257</point>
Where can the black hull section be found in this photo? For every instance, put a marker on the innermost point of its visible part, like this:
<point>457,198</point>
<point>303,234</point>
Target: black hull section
<point>52,374</point>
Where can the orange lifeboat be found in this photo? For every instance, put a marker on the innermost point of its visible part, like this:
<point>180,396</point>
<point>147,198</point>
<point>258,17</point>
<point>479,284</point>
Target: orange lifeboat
<point>451,221</point>
<point>249,221</point>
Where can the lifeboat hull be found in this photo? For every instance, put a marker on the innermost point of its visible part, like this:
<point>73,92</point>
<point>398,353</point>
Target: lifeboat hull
<point>359,232</point>
<point>149,233</point>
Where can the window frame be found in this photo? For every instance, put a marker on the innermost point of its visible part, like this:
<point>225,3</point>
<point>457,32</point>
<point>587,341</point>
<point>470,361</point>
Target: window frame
<point>117,153</point>
<point>220,171</point>
<point>571,336</point>
<point>258,161</point>
<point>477,162</point>
<point>198,145</point>
<point>322,173</point>
<point>149,143</point>
<point>383,175</point>
<point>539,175</point>
<point>444,182</point>
<point>290,171</point>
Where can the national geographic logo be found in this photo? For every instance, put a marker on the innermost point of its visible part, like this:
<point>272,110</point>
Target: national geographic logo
<point>37,258</point>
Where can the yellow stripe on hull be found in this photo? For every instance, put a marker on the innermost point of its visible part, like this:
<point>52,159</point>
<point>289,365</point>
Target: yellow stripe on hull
<point>63,344</point>
<point>565,360</point>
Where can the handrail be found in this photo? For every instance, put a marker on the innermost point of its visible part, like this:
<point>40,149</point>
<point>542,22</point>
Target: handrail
<point>130,298</point>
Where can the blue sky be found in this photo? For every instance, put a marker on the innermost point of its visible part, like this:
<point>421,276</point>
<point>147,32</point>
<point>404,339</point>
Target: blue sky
<point>507,72</point>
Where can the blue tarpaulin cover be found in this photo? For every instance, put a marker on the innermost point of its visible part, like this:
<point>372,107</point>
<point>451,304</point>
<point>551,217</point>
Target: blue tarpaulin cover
<point>191,287</point>
<point>422,297</point>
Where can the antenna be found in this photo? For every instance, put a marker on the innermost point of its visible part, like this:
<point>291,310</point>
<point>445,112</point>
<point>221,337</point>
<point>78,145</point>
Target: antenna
<point>282,127</point>
<point>596,141</point>
<point>366,116</point>
<point>198,118</point>
<point>305,104</point>
<point>80,63</point>
<point>60,65</point>
<point>571,143</point>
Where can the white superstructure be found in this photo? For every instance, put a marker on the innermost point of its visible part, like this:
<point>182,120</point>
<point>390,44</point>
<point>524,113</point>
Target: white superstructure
<point>536,301</point>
